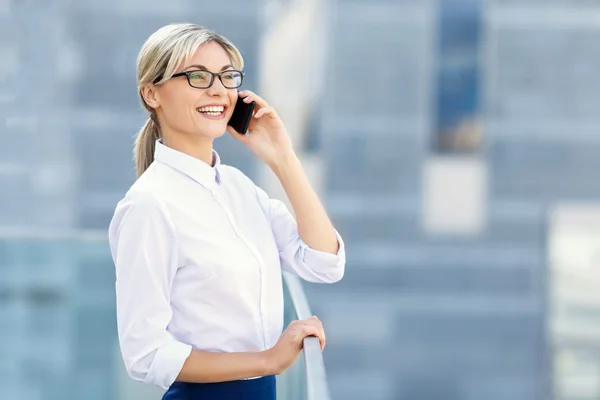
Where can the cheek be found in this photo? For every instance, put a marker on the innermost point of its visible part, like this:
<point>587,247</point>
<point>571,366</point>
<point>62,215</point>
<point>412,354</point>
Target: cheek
<point>180,105</point>
<point>233,96</point>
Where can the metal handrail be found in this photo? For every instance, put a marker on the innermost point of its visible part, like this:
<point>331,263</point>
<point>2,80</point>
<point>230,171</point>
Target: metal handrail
<point>316,377</point>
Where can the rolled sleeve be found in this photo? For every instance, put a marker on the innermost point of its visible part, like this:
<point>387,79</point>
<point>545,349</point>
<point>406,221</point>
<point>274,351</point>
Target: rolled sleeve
<point>143,246</point>
<point>296,256</point>
<point>167,363</point>
<point>314,265</point>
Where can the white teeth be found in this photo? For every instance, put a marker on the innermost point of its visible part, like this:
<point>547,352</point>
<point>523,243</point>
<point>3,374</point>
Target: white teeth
<point>212,109</point>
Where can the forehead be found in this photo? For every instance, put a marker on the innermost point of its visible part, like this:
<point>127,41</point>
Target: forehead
<point>211,55</point>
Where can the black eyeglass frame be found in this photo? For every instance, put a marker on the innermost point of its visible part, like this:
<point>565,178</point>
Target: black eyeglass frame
<point>212,77</point>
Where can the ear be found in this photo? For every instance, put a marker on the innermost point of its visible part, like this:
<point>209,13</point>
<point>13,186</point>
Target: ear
<point>150,95</point>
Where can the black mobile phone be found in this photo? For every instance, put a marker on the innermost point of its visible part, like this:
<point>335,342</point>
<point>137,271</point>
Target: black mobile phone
<point>242,114</point>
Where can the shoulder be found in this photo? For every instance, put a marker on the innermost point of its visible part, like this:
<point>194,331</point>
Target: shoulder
<point>146,191</point>
<point>154,182</point>
<point>143,200</point>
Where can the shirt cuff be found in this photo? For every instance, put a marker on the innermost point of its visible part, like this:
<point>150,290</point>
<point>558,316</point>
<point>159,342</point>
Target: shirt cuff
<point>332,265</point>
<point>167,364</point>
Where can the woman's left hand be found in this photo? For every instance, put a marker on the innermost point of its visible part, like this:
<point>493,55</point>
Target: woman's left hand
<point>266,136</point>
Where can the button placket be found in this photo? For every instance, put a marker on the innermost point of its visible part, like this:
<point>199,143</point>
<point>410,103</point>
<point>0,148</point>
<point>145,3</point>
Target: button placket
<point>257,256</point>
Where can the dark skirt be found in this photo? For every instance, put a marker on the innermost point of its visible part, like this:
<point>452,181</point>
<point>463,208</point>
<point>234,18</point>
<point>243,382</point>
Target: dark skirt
<point>251,389</point>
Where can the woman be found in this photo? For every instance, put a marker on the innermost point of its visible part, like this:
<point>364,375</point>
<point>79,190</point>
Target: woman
<point>198,248</point>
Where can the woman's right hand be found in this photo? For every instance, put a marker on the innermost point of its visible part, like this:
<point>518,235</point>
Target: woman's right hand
<point>288,347</point>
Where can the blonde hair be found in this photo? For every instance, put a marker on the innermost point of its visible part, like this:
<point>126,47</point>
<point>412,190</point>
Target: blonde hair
<point>158,60</point>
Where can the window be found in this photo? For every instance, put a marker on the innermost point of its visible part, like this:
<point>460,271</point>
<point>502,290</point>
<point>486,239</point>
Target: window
<point>458,126</point>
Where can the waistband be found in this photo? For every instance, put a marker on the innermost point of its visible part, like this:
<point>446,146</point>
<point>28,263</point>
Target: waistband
<point>241,386</point>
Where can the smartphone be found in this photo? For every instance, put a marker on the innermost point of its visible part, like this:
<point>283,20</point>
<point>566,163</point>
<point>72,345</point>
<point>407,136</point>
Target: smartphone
<point>242,115</point>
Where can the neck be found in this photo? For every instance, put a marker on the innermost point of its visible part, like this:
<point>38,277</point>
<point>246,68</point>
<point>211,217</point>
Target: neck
<point>197,147</point>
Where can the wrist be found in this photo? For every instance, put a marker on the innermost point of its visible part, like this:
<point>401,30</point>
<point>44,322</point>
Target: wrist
<point>271,366</point>
<point>283,162</point>
<point>268,363</point>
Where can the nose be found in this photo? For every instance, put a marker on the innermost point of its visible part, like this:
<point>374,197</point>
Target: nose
<point>217,88</point>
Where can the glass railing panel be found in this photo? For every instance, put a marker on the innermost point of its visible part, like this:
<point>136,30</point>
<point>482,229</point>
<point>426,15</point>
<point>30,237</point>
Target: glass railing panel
<point>316,387</point>
<point>291,384</point>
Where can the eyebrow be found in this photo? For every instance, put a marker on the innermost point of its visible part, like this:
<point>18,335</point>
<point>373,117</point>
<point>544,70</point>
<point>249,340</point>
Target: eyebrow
<point>197,66</point>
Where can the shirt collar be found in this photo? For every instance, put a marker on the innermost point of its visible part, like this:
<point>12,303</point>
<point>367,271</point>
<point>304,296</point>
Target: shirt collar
<point>192,167</point>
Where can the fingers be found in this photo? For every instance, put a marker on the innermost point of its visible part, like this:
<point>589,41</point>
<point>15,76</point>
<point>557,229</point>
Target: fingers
<point>248,97</point>
<point>319,325</point>
<point>313,327</point>
<point>310,330</point>
<point>264,111</point>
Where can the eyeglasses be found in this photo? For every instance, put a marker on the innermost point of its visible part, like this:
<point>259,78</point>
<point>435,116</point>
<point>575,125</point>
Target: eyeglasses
<point>202,79</point>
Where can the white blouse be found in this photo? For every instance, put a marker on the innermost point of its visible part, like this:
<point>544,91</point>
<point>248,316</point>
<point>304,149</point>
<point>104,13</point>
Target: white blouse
<point>198,252</point>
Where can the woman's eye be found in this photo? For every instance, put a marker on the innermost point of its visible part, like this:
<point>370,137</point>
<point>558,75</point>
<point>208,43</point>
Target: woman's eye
<point>197,75</point>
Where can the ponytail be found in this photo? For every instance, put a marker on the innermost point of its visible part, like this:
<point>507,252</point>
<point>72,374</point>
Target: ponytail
<point>144,145</point>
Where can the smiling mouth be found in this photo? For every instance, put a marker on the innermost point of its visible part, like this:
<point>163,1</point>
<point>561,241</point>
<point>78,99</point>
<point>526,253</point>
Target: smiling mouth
<point>214,111</point>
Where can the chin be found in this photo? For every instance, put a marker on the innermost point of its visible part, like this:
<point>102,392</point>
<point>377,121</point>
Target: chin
<point>214,133</point>
<point>218,134</point>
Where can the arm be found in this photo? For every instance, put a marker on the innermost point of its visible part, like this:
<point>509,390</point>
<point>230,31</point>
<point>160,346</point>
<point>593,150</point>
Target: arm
<point>314,226</point>
<point>306,247</point>
<point>144,249</point>
<point>310,248</point>
<point>205,366</point>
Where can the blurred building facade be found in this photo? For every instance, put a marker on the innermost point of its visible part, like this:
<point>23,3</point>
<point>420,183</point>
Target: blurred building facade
<point>483,109</point>
<point>487,104</point>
